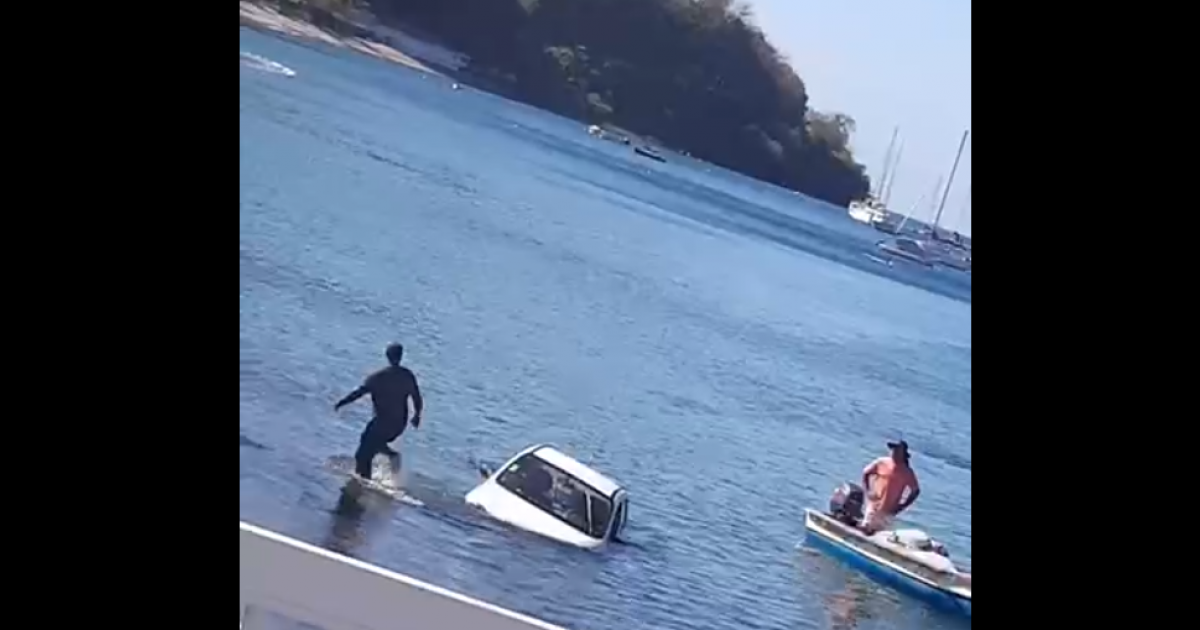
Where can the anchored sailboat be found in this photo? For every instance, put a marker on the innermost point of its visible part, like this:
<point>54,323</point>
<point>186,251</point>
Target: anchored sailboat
<point>873,209</point>
<point>926,252</point>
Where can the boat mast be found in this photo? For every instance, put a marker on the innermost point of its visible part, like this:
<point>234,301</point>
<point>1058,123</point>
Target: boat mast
<point>966,207</point>
<point>937,190</point>
<point>887,194</point>
<point>887,161</point>
<point>946,194</point>
<point>911,211</point>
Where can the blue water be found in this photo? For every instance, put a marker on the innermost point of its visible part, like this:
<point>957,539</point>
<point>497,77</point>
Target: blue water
<point>723,348</point>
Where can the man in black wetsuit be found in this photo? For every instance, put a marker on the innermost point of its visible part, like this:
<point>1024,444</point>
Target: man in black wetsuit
<point>390,389</point>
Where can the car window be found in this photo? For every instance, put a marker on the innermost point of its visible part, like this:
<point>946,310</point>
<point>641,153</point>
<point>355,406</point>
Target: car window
<point>557,493</point>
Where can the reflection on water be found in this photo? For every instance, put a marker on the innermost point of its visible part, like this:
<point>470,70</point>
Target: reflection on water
<point>357,513</point>
<point>847,606</point>
<point>851,600</point>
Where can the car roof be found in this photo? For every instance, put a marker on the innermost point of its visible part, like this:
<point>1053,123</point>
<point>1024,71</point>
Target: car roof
<point>582,472</point>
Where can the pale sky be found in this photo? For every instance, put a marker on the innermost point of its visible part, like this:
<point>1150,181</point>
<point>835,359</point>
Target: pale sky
<point>888,63</point>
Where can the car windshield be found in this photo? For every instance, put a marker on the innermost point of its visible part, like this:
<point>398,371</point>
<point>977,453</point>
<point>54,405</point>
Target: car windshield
<point>559,494</point>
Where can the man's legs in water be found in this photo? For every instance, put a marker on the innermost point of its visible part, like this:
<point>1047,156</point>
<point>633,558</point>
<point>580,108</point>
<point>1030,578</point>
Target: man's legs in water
<point>374,440</point>
<point>370,444</point>
<point>393,457</point>
<point>395,431</point>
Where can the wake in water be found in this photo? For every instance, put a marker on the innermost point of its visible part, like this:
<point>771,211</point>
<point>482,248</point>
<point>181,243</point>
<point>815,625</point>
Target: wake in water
<point>258,62</point>
<point>383,479</point>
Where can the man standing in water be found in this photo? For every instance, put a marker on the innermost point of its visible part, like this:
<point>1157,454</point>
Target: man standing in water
<point>885,481</point>
<point>390,389</point>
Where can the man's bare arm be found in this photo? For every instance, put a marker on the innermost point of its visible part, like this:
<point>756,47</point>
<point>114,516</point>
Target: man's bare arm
<point>868,472</point>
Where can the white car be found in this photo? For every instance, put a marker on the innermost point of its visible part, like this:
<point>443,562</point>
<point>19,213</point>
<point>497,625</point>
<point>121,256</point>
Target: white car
<point>547,492</point>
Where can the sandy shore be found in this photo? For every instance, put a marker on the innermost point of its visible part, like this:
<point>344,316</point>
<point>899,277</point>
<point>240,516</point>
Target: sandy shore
<point>267,18</point>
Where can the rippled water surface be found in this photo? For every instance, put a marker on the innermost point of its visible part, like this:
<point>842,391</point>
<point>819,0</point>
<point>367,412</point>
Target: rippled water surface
<point>723,348</point>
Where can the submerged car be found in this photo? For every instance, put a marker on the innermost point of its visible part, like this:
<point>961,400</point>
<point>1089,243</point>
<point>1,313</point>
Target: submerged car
<point>547,492</point>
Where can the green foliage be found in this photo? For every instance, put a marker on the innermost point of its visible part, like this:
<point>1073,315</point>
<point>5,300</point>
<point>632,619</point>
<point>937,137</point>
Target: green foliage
<point>696,74</point>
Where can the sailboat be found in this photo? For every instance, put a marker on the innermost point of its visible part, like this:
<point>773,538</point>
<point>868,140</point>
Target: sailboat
<point>891,226</point>
<point>949,246</point>
<point>926,252</point>
<point>911,249</point>
<point>954,248</point>
<point>873,209</point>
<point>937,219</point>
<point>954,239</point>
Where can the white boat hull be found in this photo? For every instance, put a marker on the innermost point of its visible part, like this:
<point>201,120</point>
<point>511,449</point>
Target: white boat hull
<point>862,215</point>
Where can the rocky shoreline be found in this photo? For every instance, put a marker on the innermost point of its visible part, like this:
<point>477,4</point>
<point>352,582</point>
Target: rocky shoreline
<point>266,18</point>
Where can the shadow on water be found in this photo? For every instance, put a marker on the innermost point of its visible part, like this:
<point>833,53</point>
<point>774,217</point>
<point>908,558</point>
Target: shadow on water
<point>249,443</point>
<point>849,606</point>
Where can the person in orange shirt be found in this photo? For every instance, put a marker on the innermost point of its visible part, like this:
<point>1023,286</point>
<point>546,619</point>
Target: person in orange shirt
<point>885,481</point>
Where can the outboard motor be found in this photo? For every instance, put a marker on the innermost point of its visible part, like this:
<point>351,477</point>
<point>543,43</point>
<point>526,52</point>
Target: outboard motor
<point>846,504</point>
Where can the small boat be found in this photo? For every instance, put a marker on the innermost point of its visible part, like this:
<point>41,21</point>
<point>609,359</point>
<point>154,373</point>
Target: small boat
<point>649,153</point>
<point>908,249</point>
<point>906,559</point>
<point>610,133</point>
<point>889,225</point>
<point>547,492</point>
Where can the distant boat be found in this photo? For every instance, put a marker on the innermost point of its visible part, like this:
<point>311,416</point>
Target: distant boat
<point>954,239</point>
<point>616,135</point>
<point>645,151</point>
<point>949,247</point>
<point>873,210</point>
<point>889,225</point>
<point>869,211</point>
<point>935,248</point>
<point>937,219</point>
<point>909,249</point>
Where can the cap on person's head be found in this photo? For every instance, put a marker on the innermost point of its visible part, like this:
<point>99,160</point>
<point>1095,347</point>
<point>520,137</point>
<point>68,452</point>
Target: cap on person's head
<point>394,353</point>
